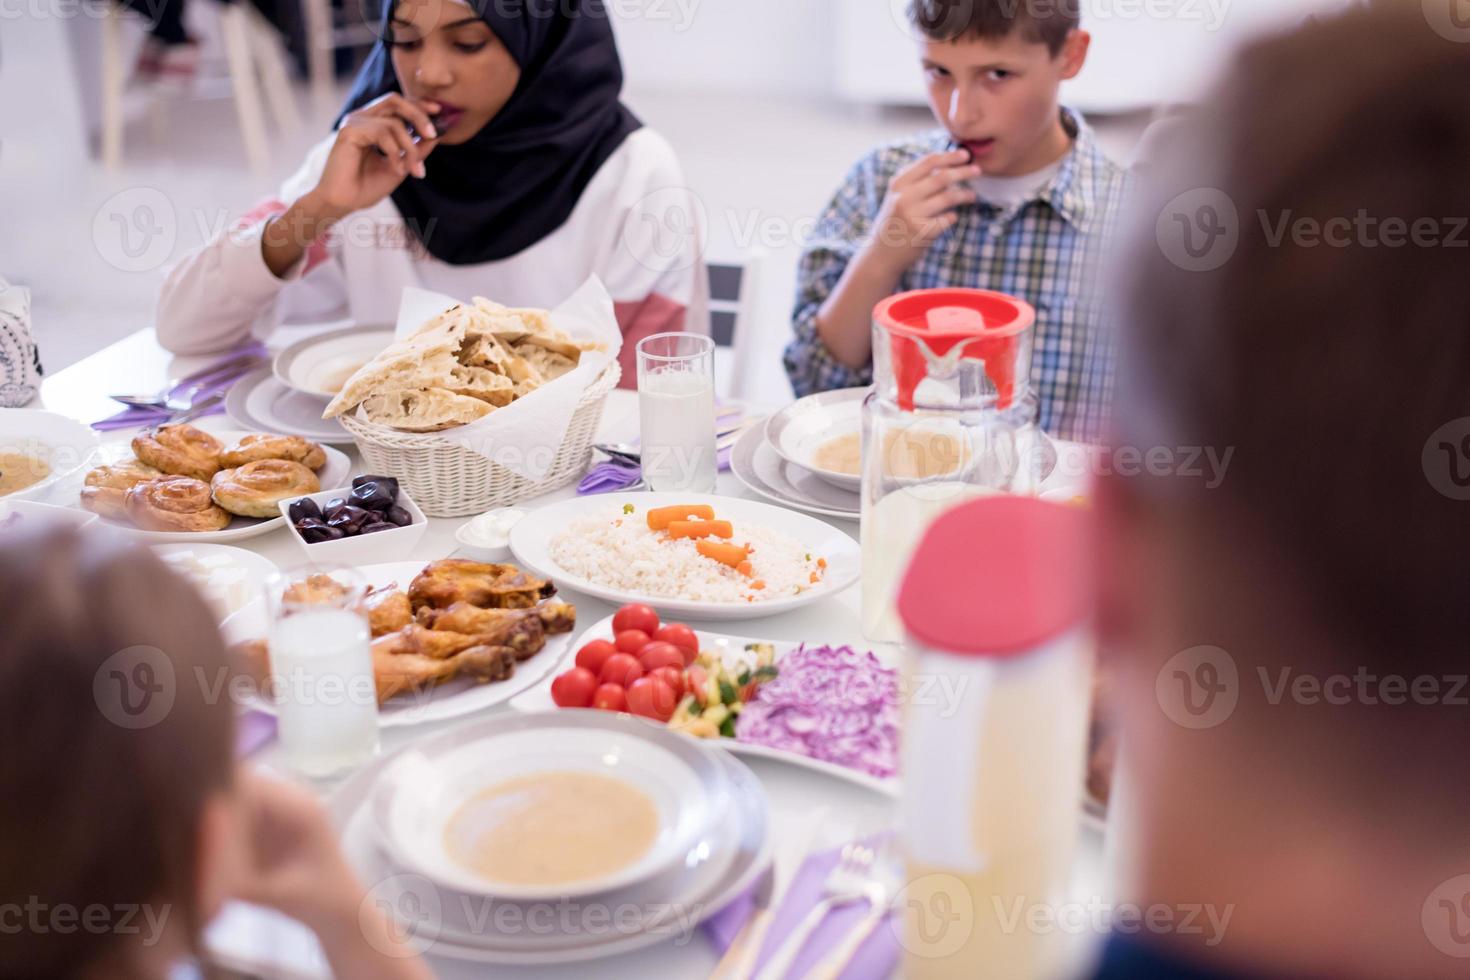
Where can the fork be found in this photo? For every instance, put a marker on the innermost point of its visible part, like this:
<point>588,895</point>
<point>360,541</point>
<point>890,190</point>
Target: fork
<point>191,413</point>
<point>182,402</point>
<point>881,888</point>
<point>846,883</point>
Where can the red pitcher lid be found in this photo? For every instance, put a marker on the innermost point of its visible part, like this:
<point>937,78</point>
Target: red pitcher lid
<point>999,576</point>
<point>926,325</point>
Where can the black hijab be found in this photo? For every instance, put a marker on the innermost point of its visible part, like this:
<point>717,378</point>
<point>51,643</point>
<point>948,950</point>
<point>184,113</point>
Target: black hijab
<point>517,179</point>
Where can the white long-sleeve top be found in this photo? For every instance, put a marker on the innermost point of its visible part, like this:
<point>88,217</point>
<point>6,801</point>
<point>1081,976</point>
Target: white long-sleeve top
<point>636,226</point>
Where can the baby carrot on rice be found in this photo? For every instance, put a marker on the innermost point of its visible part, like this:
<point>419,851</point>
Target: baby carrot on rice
<point>725,554</point>
<point>701,529</point>
<point>659,518</point>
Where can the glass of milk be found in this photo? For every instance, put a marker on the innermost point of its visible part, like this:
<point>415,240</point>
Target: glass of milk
<point>322,670</point>
<point>676,409</point>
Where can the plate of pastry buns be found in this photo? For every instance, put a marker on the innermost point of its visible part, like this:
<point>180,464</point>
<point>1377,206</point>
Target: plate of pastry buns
<point>181,483</point>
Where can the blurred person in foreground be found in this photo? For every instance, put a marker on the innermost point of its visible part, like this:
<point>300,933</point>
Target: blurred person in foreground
<point>125,828</point>
<point>1292,681</point>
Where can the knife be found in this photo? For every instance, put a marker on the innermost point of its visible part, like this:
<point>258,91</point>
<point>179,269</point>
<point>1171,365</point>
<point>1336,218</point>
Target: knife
<point>740,959</point>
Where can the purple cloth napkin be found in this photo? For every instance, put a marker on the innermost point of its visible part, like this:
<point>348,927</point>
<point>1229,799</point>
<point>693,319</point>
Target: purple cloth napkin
<point>211,380</point>
<point>875,959</point>
<point>252,730</point>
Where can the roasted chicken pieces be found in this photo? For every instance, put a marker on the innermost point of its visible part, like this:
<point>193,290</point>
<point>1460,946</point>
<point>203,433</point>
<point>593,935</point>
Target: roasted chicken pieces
<point>458,619</point>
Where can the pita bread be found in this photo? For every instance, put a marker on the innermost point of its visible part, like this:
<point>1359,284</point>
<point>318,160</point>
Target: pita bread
<point>425,410</point>
<point>418,361</point>
<point>460,366</point>
<point>550,364</point>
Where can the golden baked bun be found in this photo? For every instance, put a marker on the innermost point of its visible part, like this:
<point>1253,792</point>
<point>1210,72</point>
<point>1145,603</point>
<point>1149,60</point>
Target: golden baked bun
<point>106,487</point>
<point>181,450</point>
<point>175,503</point>
<point>251,449</point>
<point>254,490</point>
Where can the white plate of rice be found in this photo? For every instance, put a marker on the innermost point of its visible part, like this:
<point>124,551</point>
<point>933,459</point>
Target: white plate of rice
<point>594,545</point>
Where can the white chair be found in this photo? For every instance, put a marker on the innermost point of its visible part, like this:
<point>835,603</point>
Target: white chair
<point>734,291</point>
<point>256,60</point>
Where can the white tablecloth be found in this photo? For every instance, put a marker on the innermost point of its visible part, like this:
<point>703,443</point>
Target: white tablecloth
<point>266,942</point>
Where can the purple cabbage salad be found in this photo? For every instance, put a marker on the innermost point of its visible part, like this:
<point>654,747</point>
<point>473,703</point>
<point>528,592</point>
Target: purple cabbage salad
<point>828,703</point>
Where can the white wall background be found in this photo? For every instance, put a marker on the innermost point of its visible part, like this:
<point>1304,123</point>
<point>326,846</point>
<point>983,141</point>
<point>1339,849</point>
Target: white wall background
<point>1144,51</point>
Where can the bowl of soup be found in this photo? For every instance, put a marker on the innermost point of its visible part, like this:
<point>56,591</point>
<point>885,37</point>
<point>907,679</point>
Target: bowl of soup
<point>547,806</point>
<point>39,449</point>
<point>321,364</point>
<point>823,433</point>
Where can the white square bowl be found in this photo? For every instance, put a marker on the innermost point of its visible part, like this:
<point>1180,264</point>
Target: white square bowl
<point>365,549</point>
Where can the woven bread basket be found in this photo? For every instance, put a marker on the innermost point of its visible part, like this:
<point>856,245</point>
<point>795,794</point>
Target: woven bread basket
<point>447,480</point>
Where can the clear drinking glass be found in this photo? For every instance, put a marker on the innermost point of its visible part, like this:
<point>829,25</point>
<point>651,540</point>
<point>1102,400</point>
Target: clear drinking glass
<point>676,410</point>
<point>322,669</point>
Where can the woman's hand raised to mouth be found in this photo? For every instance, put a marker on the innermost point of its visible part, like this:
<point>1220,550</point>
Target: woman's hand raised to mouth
<point>373,153</point>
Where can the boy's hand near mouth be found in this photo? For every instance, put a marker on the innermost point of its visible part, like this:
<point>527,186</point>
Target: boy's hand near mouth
<point>918,207</point>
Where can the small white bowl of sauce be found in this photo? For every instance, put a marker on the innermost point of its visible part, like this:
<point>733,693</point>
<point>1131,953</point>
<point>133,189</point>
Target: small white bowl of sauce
<point>487,537</point>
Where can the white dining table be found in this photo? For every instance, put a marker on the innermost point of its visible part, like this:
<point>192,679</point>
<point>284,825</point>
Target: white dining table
<point>262,942</point>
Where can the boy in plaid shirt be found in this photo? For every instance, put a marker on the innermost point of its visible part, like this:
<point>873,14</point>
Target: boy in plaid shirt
<point>1012,194</point>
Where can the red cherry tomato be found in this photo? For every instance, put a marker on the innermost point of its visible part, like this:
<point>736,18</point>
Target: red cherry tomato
<point>574,688</point>
<point>610,697</point>
<point>661,655</point>
<point>695,681</point>
<point>636,616</point>
<point>672,676</point>
<point>631,641</point>
<point>650,697</point>
<point>594,654</point>
<point>682,637</point>
<point>620,668</point>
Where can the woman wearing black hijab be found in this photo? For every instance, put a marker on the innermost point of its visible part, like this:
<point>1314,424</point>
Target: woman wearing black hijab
<point>484,151</point>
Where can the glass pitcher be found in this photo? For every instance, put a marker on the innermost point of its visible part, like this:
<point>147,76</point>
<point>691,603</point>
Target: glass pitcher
<point>950,418</point>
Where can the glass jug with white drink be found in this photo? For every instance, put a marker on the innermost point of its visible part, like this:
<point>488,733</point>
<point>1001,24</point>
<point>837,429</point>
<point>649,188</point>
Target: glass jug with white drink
<point>996,606</point>
<point>951,417</point>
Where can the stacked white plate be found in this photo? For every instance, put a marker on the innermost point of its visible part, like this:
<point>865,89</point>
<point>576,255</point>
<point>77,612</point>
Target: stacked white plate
<point>778,461</point>
<point>291,394</point>
<point>712,839</point>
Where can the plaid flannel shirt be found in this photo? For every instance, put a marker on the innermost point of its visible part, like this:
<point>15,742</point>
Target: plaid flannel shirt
<point>1046,250</point>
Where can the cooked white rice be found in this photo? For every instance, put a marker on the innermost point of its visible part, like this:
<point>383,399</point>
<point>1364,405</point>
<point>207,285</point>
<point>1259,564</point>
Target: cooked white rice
<point>620,552</point>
